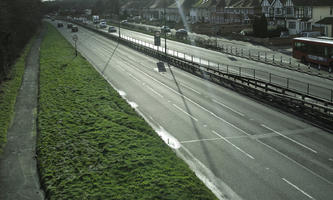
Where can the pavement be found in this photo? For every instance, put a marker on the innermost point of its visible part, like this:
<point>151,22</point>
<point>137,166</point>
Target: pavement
<point>18,167</point>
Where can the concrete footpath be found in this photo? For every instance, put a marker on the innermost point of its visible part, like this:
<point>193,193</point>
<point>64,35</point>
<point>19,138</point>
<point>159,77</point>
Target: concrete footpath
<point>18,170</point>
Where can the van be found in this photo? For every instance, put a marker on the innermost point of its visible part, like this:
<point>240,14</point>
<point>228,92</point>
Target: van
<point>311,34</point>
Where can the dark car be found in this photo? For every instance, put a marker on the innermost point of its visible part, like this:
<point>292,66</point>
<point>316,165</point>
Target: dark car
<point>60,25</point>
<point>69,25</point>
<point>165,29</point>
<point>112,29</point>
<point>75,29</point>
<point>181,33</point>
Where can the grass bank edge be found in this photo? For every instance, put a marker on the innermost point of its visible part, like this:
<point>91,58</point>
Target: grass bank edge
<point>92,144</point>
<point>8,92</point>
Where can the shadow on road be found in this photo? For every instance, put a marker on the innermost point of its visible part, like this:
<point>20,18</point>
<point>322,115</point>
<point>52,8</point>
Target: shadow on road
<point>195,126</point>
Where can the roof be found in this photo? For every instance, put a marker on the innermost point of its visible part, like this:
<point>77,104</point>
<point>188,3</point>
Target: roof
<point>326,20</point>
<point>177,3</point>
<point>313,2</point>
<point>246,3</point>
<point>205,3</point>
<point>318,40</point>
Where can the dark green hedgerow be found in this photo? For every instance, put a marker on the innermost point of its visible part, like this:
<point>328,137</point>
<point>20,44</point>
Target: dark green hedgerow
<point>93,145</point>
<point>8,91</point>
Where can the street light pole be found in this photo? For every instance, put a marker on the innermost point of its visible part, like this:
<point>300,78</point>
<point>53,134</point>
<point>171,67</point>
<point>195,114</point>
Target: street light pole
<point>119,26</point>
<point>165,35</point>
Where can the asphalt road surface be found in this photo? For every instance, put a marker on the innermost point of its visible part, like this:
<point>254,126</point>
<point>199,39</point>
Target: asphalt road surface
<point>318,87</point>
<point>240,148</point>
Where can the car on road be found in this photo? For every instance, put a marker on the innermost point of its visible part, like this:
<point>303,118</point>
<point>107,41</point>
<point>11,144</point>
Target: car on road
<point>75,29</point>
<point>124,22</point>
<point>284,34</point>
<point>60,25</point>
<point>102,25</point>
<point>112,29</point>
<point>181,33</point>
<point>69,25</point>
<point>165,29</point>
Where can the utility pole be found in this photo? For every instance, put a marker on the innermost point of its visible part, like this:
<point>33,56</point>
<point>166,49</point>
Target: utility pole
<point>165,34</point>
<point>119,26</point>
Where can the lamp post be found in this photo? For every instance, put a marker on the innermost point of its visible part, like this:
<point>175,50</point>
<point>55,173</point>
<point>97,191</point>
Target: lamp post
<point>165,34</point>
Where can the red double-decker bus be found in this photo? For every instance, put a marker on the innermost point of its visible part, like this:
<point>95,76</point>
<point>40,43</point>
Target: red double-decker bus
<point>314,50</point>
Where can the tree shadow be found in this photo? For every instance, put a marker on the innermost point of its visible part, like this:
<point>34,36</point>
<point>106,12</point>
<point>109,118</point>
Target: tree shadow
<point>211,164</point>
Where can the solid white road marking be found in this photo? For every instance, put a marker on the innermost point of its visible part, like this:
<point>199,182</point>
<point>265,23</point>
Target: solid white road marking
<point>201,140</point>
<point>155,91</point>
<point>185,112</point>
<point>190,100</point>
<point>297,188</point>
<point>268,146</point>
<point>297,163</point>
<point>239,149</point>
<point>121,93</point>
<point>263,125</point>
<point>222,104</point>
<point>188,87</point>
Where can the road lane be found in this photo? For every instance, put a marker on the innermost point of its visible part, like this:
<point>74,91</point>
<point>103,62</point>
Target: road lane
<point>230,165</point>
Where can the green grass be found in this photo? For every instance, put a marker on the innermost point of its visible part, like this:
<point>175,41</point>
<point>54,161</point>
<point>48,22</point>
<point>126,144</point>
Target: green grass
<point>8,92</point>
<point>93,145</point>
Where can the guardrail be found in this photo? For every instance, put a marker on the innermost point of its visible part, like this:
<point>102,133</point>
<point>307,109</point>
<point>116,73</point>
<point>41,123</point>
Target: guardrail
<point>285,97</point>
<point>310,89</point>
<point>251,54</point>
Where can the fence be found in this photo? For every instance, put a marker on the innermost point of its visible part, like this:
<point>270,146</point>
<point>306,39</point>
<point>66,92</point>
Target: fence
<point>307,88</point>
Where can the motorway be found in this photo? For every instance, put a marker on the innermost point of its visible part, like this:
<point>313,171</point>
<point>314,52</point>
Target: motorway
<point>318,86</point>
<point>240,148</point>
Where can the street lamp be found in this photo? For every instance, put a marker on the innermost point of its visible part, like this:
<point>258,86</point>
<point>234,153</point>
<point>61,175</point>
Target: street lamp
<point>165,34</point>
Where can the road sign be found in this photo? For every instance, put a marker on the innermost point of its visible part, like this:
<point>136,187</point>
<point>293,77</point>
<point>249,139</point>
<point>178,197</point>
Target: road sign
<point>75,37</point>
<point>157,38</point>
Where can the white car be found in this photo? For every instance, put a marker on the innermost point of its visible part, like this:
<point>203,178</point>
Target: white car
<point>102,25</point>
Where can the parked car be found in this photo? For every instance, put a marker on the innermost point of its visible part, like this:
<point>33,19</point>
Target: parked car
<point>75,29</point>
<point>112,29</point>
<point>69,25</point>
<point>181,33</point>
<point>165,29</point>
<point>310,34</point>
<point>284,34</point>
<point>102,25</point>
<point>60,25</point>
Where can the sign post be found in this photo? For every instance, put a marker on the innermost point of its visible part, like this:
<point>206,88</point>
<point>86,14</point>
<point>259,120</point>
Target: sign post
<point>75,38</point>
<point>157,38</point>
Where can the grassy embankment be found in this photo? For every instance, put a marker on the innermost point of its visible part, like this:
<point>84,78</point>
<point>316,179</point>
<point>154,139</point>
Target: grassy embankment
<point>93,145</point>
<point>8,92</point>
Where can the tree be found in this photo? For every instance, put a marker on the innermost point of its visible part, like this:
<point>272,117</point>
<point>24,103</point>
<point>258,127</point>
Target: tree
<point>260,26</point>
<point>19,19</point>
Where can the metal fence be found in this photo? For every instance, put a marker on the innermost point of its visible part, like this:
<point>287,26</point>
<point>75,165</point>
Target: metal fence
<point>307,88</point>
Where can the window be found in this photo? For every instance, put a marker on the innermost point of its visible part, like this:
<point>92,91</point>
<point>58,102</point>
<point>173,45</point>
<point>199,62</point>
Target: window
<point>278,11</point>
<point>292,25</point>
<point>331,11</point>
<point>289,10</point>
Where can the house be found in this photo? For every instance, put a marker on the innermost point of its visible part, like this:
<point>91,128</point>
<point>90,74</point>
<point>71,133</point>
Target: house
<point>322,16</point>
<point>201,11</point>
<point>235,11</point>
<point>296,15</point>
<point>177,12</point>
<point>242,11</point>
<point>154,10</point>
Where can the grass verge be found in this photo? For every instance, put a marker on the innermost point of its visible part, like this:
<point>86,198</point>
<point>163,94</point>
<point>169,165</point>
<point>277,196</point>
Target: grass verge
<point>8,92</point>
<point>93,145</point>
